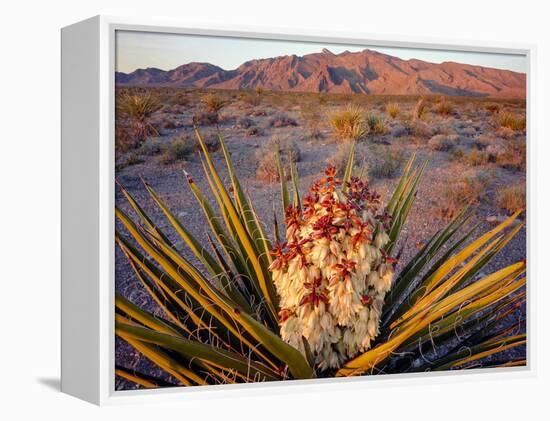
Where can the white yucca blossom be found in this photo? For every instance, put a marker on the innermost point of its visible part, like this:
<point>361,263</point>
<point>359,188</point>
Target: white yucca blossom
<point>331,273</point>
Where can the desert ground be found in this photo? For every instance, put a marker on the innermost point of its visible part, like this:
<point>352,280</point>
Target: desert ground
<point>476,149</point>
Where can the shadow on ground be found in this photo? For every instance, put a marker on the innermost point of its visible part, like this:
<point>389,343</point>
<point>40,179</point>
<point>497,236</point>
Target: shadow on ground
<point>53,383</point>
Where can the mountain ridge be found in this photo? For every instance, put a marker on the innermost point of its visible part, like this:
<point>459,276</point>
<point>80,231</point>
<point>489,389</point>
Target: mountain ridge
<point>366,71</point>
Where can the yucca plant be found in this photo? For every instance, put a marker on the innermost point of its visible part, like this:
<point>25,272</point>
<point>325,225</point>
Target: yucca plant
<point>213,102</point>
<point>323,301</point>
<point>138,109</point>
<point>392,109</point>
<point>348,123</point>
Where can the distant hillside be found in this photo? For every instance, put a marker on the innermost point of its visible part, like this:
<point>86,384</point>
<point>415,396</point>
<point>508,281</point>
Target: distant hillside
<point>362,72</point>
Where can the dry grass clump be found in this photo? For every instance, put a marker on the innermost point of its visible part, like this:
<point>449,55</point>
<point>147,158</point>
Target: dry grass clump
<point>267,160</point>
<point>457,194</point>
<point>514,156</point>
<point>348,123</point>
<point>376,124</point>
<point>392,109</point>
<point>512,198</point>
<point>213,103</point>
<point>282,120</point>
<point>443,107</point>
<point>511,121</point>
<point>386,163</point>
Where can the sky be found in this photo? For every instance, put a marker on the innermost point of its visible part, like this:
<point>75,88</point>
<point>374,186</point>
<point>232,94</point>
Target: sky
<point>139,50</point>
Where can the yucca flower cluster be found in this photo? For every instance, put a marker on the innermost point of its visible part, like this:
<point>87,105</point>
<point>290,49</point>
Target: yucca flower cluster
<point>332,273</point>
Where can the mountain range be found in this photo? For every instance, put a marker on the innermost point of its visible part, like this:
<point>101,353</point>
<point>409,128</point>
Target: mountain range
<point>366,71</point>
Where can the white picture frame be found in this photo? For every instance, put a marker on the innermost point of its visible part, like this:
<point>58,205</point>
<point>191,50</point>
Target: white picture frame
<point>88,175</point>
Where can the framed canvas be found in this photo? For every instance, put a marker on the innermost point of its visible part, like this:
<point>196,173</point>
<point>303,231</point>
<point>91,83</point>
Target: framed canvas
<point>246,211</point>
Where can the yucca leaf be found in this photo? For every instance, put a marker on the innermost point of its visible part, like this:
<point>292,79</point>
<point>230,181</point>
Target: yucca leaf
<point>349,168</point>
<point>252,254</point>
<point>167,285</point>
<point>450,322</point>
<point>282,178</point>
<point>140,378</point>
<point>408,277</point>
<point>143,215</point>
<point>403,207</point>
<point>182,373</point>
<point>380,353</point>
<point>398,192</point>
<point>296,191</point>
<point>460,257</point>
<point>195,350</point>
<point>475,353</point>
<point>142,316</point>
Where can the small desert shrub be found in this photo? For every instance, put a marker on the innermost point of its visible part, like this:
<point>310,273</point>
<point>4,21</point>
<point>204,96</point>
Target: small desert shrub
<point>443,143</point>
<point>150,147</point>
<point>511,121</point>
<point>386,163</point>
<point>179,148</point>
<point>133,159</point>
<point>282,120</point>
<point>206,118</point>
<point>456,154</point>
<point>512,198</point>
<point>184,146</point>
<point>244,123</point>
<point>458,194</point>
<point>514,156</point>
<point>477,158</point>
<point>416,128</point>
<point>124,141</point>
<point>267,160</point>
<point>443,107</point>
<point>213,103</point>
<point>259,90</point>
<point>492,107</point>
<point>376,124</point>
<point>348,123</point>
<point>392,109</point>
